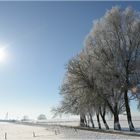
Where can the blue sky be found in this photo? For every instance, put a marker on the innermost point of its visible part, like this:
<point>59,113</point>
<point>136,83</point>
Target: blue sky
<point>40,38</point>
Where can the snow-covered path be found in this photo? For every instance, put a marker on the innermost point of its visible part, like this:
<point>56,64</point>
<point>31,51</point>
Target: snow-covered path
<point>24,132</point>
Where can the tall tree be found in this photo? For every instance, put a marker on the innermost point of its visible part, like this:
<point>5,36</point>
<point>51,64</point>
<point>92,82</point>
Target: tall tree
<point>117,40</point>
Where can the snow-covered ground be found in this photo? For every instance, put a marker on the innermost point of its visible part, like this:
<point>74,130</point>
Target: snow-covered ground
<point>25,132</point>
<point>75,122</point>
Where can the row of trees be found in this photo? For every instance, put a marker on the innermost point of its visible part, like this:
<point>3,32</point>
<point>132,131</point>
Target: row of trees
<point>40,117</point>
<point>105,75</point>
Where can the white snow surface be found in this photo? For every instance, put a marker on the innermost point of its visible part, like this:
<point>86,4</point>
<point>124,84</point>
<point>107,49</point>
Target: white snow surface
<point>25,132</point>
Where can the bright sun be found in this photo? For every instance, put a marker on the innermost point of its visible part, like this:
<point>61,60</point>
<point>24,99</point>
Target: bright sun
<point>2,54</point>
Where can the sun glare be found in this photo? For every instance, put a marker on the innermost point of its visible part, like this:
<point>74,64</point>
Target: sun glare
<point>2,54</point>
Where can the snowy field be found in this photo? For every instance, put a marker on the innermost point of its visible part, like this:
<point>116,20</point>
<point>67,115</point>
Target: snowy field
<point>75,122</point>
<point>25,132</point>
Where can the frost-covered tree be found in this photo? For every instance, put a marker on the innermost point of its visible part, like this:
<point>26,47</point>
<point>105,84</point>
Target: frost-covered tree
<point>82,92</point>
<point>100,77</point>
<point>42,117</point>
<point>79,90</point>
<point>116,38</point>
<point>107,86</point>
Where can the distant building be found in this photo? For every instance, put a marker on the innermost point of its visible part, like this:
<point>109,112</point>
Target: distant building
<point>25,118</point>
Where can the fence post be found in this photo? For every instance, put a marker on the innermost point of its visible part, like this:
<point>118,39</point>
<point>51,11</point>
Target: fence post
<point>55,132</point>
<point>5,136</point>
<point>33,134</point>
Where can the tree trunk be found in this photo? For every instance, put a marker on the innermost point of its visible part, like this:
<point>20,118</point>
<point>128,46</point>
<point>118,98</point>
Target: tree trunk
<point>91,119</point>
<point>85,121</point>
<point>104,121</point>
<point>98,120</point>
<point>116,122</point>
<point>114,111</point>
<point>102,114</point>
<point>129,119</point>
<point>88,121</point>
<point>82,119</point>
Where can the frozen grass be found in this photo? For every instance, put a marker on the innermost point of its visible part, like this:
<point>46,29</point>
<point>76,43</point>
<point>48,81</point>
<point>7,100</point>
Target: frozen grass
<point>24,132</point>
<point>123,122</point>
